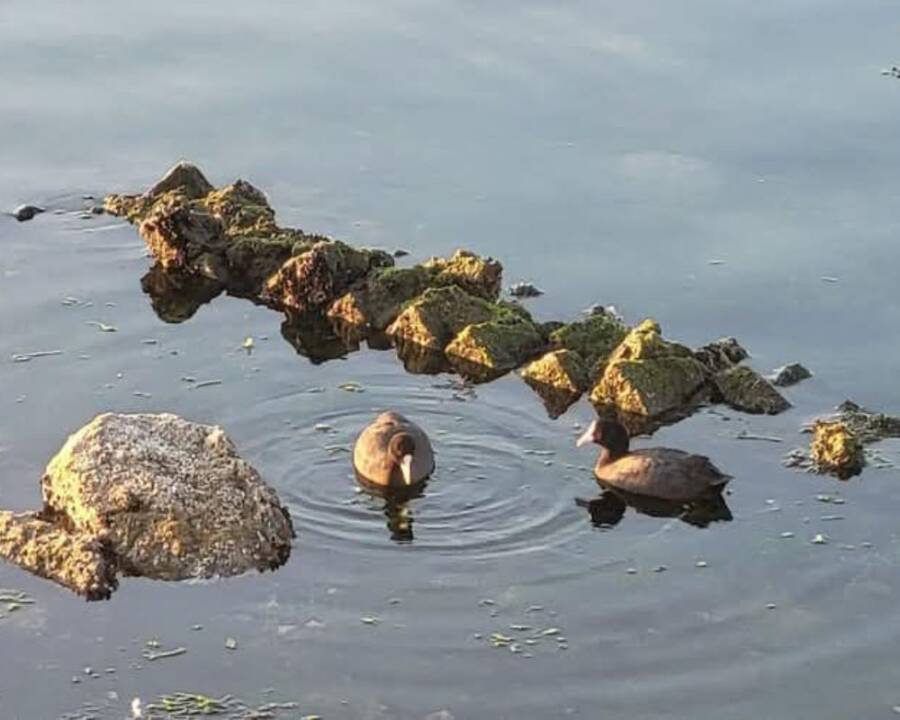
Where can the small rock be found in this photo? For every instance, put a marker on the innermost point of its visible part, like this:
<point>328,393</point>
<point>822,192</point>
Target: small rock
<point>26,212</point>
<point>525,290</point>
<point>836,449</point>
<point>231,643</point>
<point>400,252</point>
<point>744,389</point>
<point>790,375</point>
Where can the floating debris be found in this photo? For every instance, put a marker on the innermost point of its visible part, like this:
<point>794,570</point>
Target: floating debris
<point>549,632</point>
<point>893,71</point>
<point>25,357</point>
<point>323,427</point>
<point>141,394</point>
<point>231,643</point>
<point>368,620</point>
<point>715,262</point>
<point>351,387</point>
<point>702,564</point>
<point>151,655</point>
<point>819,539</point>
<point>747,435</point>
<point>829,279</point>
<point>12,601</point>
<point>206,383</point>
<point>101,326</point>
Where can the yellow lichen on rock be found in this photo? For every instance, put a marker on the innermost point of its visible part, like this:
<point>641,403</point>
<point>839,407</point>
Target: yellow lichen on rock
<point>836,449</point>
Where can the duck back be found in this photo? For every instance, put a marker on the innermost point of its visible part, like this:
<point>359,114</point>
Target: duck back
<point>663,473</point>
<point>372,460</point>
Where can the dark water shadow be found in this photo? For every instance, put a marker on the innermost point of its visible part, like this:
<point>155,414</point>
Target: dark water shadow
<point>399,517</point>
<point>608,510</point>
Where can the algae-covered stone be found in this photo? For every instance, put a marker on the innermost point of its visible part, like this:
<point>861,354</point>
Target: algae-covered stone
<point>868,426</point>
<point>721,355</point>
<point>593,339</point>
<point>647,376</point>
<point>171,498</point>
<point>560,377</point>
<point>81,562</point>
<point>476,275</point>
<point>243,210</point>
<point>312,280</point>
<point>485,351</point>
<point>432,320</point>
<point>836,449</point>
<point>744,389</point>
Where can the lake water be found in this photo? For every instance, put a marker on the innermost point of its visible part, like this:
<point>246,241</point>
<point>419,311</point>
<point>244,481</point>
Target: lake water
<point>605,151</point>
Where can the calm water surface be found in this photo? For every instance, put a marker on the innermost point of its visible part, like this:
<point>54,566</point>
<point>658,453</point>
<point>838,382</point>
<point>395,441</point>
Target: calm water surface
<point>607,153</point>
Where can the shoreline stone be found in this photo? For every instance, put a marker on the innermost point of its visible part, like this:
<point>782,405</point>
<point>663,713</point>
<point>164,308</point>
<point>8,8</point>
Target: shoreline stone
<point>744,389</point>
<point>559,377</point>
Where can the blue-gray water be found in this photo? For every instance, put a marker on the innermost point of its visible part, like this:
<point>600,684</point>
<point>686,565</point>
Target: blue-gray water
<point>606,151</point>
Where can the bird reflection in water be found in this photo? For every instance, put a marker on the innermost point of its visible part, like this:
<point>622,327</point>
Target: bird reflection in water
<point>397,508</point>
<point>608,510</point>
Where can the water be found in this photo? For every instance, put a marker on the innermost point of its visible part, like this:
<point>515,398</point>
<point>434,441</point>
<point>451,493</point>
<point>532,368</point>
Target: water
<point>606,153</point>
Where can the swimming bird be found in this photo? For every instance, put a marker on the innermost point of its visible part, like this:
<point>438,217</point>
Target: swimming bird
<point>393,452</point>
<point>658,472</point>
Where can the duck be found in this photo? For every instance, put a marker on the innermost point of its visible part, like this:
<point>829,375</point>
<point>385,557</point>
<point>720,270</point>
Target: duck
<point>655,472</point>
<point>393,452</point>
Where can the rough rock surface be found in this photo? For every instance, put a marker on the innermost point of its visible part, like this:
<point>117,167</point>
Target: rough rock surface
<point>746,390</point>
<point>560,377</point>
<point>485,351</point>
<point>170,498</point>
<point>868,426</point>
<point>476,275</point>
<point>312,280</point>
<point>721,355</point>
<point>790,375</point>
<point>594,339</point>
<point>184,176</point>
<point>81,562</point>
<point>432,320</point>
<point>648,376</point>
<point>836,449</point>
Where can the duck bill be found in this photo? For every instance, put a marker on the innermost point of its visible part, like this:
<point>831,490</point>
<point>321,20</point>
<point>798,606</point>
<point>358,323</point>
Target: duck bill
<point>587,436</point>
<point>406,469</point>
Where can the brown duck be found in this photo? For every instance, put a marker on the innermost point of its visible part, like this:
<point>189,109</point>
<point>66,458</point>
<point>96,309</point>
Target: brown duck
<point>656,472</point>
<point>393,452</point>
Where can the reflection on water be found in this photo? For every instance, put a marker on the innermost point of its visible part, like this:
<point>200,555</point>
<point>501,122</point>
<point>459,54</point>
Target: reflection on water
<point>608,510</point>
<point>397,507</point>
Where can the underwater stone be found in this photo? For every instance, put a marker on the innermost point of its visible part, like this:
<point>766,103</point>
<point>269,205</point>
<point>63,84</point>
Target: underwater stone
<point>746,390</point>
<point>171,498</point>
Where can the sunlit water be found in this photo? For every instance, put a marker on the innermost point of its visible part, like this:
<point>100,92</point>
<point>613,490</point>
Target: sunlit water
<point>605,152</point>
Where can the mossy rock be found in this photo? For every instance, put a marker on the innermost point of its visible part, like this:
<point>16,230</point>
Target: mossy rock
<point>485,351</point>
<point>594,339</point>
<point>312,280</point>
<point>434,318</point>
<point>649,387</point>
<point>476,275</point>
<point>836,449</point>
<point>243,209</point>
<point>746,390</point>
<point>868,426</point>
<point>559,378</point>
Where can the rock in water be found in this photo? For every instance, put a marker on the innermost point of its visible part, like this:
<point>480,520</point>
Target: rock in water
<point>721,355</point>
<point>26,212</point>
<point>790,375</point>
<point>744,389</point>
<point>836,449</point>
<point>184,176</point>
<point>525,290</point>
<point>559,378</point>
<point>171,498</point>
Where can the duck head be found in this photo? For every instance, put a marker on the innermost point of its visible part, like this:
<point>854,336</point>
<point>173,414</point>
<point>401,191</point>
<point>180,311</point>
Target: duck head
<point>402,448</point>
<point>608,434</point>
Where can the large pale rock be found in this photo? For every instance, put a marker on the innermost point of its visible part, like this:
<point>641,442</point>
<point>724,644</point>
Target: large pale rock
<point>648,376</point>
<point>171,498</point>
